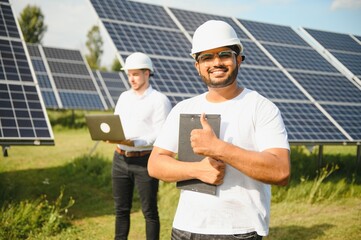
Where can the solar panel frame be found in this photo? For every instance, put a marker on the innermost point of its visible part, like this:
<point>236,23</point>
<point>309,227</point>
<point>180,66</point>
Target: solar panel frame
<point>265,32</point>
<point>191,20</point>
<point>23,118</point>
<point>46,83</point>
<point>306,124</point>
<point>72,78</point>
<point>335,41</point>
<point>348,116</point>
<point>113,85</point>
<point>351,61</point>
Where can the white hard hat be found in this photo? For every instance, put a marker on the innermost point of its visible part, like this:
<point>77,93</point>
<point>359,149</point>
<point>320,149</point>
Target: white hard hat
<point>138,60</point>
<point>214,34</point>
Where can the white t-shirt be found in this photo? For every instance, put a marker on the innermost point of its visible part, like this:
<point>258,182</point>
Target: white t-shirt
<point>241,204</point>
<point>142,117</point>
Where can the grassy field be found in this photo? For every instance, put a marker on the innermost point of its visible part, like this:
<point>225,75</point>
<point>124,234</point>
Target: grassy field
<point>309,208</point>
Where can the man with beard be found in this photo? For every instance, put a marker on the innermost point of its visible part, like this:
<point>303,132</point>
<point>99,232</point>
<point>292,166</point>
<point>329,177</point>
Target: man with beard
<point>143,111</point>
<point>251,153</point>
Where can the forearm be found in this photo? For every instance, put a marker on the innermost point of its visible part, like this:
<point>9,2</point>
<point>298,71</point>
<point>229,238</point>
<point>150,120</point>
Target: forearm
<point>167,168</point>
<point>271,166</point>
<point>164,166</point>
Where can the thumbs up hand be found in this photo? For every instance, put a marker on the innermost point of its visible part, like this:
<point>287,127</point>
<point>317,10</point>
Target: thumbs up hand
<point>203,140</point>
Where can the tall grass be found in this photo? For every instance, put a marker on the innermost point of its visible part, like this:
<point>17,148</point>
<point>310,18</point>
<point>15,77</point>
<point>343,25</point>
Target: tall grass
<point>339,178</point>
<point>29,219</point>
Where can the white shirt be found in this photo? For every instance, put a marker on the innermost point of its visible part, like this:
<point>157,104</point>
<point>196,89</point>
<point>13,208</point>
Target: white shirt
<point>142,117</point>
<point>241,204</point>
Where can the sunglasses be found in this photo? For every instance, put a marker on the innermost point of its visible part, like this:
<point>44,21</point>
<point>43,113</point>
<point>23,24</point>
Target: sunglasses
<point>223,55</point>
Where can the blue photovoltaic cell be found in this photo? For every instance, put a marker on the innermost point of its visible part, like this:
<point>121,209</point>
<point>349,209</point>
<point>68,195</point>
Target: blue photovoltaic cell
<point>348,117</point>
<point>113,85</point>
<point>273,33</point>
<point>23,120</point>
<point>175,99</point>
<point>304,123</point>
<point>80,100</point>
<point>192,20</point>
<point>148,40</point>
<point>133,12</point>
<point>351,61</point>
<point>73,79</point>
<point>21,114</point>
<point>254,55</point>
<point>175,76</point>
<point>103,90</point>
<point>14,65</point>
<point>8,26</point>
<point>272,84</point>
<point>42,76</point>
<point>335,41</point>
<point>332,88</point>
<point>299,58</point>
<point>58,54</point>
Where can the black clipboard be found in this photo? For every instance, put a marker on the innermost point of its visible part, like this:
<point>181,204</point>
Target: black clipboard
<point>188,122</point>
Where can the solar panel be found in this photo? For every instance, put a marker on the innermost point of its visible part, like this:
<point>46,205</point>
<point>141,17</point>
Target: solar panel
<point>291,77</point>
<point>273,33</point>
<point>321,80</point>
<point>133,12</point>
<point>8,26</point>
<point>272,84</point>
<point>192,20</point>
<point>329,87</point>
<point>112,85</point>
<point>291,57</point>
<point>47,87</point>
<point>65,79</point>
<point>351,61</point>
<point>342,46</point>
<point>23,120</point>
<point>335,41</point>
<point>348,117</point>
<point>304,122</point>
<point>164,42</point>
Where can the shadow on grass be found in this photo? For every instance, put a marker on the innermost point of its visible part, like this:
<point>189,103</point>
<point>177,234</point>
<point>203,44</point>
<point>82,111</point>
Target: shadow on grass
<point>86,179</point>
<point>298,232</point>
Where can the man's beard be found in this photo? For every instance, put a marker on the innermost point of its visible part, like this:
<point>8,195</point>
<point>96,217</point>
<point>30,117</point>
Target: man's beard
<point>214,84</point>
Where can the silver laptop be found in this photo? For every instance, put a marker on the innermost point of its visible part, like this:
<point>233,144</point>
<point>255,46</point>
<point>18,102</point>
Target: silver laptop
<point>105,127</point>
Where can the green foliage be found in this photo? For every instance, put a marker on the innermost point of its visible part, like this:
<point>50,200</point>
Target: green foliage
<point>32,24</point>
<point>116,66</point>
<point>32,218</point>
<point>95,47</point>
<point>68,119</point>
<point>96,169</point>
<point>339,179</point>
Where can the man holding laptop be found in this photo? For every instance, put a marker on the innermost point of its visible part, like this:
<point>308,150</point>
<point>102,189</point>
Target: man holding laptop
<point>143,111</point>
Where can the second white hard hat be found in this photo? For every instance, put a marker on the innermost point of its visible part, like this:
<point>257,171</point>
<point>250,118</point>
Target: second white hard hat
<point>214,34</point>
<point>138,60</point>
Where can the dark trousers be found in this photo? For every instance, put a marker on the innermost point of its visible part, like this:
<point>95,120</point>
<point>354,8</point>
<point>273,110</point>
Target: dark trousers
<point>184,235</point>
<point>127,173</point>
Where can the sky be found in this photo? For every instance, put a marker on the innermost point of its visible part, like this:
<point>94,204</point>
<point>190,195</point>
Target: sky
<point>69,21</point>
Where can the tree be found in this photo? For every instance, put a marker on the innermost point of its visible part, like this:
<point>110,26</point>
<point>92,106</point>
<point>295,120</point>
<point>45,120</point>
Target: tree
<point>95,47</point>
<point>32,24</point>
<point>116,66</point>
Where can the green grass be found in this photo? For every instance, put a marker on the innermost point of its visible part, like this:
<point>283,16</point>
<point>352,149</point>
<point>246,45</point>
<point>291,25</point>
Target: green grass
<point>312,206</point>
